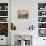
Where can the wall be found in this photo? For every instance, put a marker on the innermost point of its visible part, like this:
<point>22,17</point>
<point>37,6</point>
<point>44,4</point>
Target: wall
<point>23,24</point>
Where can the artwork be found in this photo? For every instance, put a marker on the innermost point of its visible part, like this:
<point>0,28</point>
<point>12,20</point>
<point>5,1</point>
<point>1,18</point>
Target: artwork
<point>23,13</point>
<point>43,25</point>
<point>41,6</point>
<point>4,29</point>
<point>3,13</point>
<point>3,19</point>
<point>3,6</point>
<point>41,19</point>
<point>41,13</point>
<point>3,26</point>
<point>42,32</point>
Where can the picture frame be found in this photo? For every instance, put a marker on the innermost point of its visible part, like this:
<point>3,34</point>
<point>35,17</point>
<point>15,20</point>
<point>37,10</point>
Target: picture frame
<point>22,14</point>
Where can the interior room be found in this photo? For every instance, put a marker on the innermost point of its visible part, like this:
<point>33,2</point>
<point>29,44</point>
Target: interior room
<point>22,22</point>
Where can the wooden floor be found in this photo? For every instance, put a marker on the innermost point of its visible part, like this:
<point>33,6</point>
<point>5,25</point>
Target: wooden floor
<point>3,45</point>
